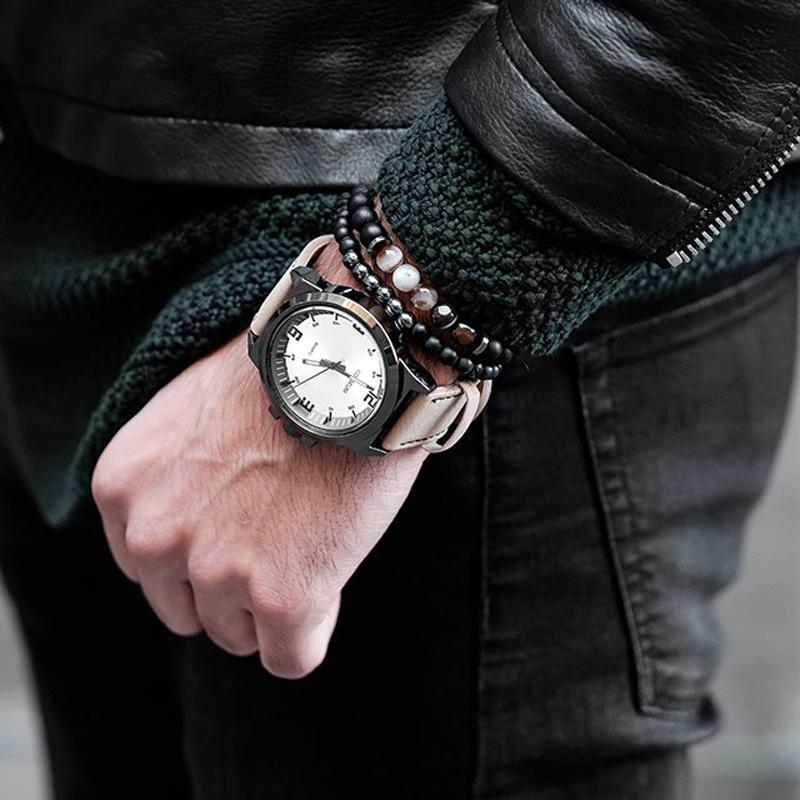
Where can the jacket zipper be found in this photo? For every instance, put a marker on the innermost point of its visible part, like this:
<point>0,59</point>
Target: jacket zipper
<point>703,232</point>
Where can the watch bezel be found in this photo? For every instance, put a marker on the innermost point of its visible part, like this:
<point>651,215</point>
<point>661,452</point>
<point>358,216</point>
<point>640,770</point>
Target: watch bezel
<point>372,317</point>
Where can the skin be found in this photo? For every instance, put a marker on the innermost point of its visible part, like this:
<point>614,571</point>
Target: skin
<point>230,526</point>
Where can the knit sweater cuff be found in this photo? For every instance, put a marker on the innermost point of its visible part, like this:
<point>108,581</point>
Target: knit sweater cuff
<point>508,265</point>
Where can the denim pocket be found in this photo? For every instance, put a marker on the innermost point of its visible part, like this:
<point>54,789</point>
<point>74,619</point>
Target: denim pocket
<point>683,413</point>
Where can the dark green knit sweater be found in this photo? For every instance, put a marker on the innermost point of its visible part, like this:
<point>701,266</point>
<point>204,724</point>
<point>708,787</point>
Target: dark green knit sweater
<point>108,288</point>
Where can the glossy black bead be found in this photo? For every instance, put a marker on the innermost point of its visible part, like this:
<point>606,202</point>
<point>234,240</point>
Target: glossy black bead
<point>347,244</point>
<point>383,294</point>
<point>433,344</point>
<point>482,344</point>
<point>358,199</point>
<point>478,371</point>
<point>464,365</point>
<point>374,245</point>
<point>360,271</point>
<point>405,321</point>
<point>448,356</point>
<point>443,316</point>
<point>361,217</point>
<point>507,356</point>
<point>420,332</point>
<point>490,372</point>
<point>394,308</point>
<point>351,259</point>
<point>370,232</point>
<point>362,188</point>
<point>371,282</point>
<point>494,351</point>
<point>341,232</point>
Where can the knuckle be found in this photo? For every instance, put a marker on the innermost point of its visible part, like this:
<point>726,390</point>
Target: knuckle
<point>108,482</point>
<point>213,572</point>
<point>184,627</point>
<point>149,545</point>
<point>293,664</point>
<point>236,647</point>
<point>283,609</point>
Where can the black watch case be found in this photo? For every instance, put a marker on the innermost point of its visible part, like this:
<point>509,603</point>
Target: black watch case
<point>405,377</point>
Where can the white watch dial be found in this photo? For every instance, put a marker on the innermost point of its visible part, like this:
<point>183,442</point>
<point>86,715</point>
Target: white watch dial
<point>327,368</point>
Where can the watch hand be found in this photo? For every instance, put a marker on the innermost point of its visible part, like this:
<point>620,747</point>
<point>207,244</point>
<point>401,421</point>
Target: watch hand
<point>339,367</point>
<point>358,380</point>
<point>315,375</point>
<point>324,362</point>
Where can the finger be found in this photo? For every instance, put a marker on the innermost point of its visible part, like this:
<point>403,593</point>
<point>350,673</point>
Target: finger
<point>115,536</point>
<point>172,599</point>
<point>227,624</point>
<point>293,644</point>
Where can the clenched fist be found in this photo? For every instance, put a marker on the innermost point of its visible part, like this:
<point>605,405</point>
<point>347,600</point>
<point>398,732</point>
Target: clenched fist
<point>234,528</point>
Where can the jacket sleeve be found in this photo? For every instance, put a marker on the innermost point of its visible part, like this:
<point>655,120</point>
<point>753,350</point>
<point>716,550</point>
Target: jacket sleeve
<point>524,272</point>
<point>640,121</point>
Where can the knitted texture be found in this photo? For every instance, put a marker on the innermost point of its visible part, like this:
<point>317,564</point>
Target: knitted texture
<point>520,271</point>
<point>108,289</point>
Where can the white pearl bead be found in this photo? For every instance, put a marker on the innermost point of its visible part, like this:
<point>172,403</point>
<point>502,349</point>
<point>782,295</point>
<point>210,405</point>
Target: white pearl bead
<point>388,258</point>
<point>424,298</point>
<point>406,278</point>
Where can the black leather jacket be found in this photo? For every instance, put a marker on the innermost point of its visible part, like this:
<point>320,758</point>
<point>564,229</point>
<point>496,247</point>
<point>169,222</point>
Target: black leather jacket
<point>646,122</point>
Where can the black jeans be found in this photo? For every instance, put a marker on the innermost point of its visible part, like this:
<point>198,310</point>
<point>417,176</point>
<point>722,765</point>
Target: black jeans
<point>536,624</point>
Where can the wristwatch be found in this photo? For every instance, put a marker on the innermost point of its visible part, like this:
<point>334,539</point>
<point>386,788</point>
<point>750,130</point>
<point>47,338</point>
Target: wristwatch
<point>336,369</point>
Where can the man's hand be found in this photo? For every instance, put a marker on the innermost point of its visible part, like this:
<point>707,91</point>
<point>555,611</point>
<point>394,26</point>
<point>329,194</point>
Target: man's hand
<point>232,527</point>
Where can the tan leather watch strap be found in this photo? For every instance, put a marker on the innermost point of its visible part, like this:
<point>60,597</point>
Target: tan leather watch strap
<point>434,421</point>
<point>280,291</point>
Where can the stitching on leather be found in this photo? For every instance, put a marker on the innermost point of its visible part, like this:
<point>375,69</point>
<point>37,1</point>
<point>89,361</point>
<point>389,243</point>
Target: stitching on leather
<point>450,396</point>
<point>430,438</point>
<point>66,98</point>
<point>673,223</point>
<point>792,99</point>
<point>597,119</point>
<point>638,241</point>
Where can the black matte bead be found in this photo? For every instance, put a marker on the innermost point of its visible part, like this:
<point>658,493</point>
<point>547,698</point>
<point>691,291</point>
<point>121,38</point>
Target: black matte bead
<point>494,351</point>
<point>443,316</point>
<point>420,332</point>
<point>433,344</point>
<point>448,356</point>
<point>370,232</point>
<point>356,200</point>
<point>394,308</point>
<point>347,244</point>
<point>371,282</point>
<point>361,217</point>
<point>490,372</point>
<point>464,365</point>
<point>341,232</point>
<point>507,356</point>
<point>478,372</point>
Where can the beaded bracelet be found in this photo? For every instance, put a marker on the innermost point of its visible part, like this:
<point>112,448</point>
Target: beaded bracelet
<point>472,355</point>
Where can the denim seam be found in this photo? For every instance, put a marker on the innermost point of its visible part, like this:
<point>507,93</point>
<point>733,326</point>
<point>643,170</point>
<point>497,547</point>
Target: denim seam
<point>756,289</point>
<point>483,618</point>
<point>620,516</point>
